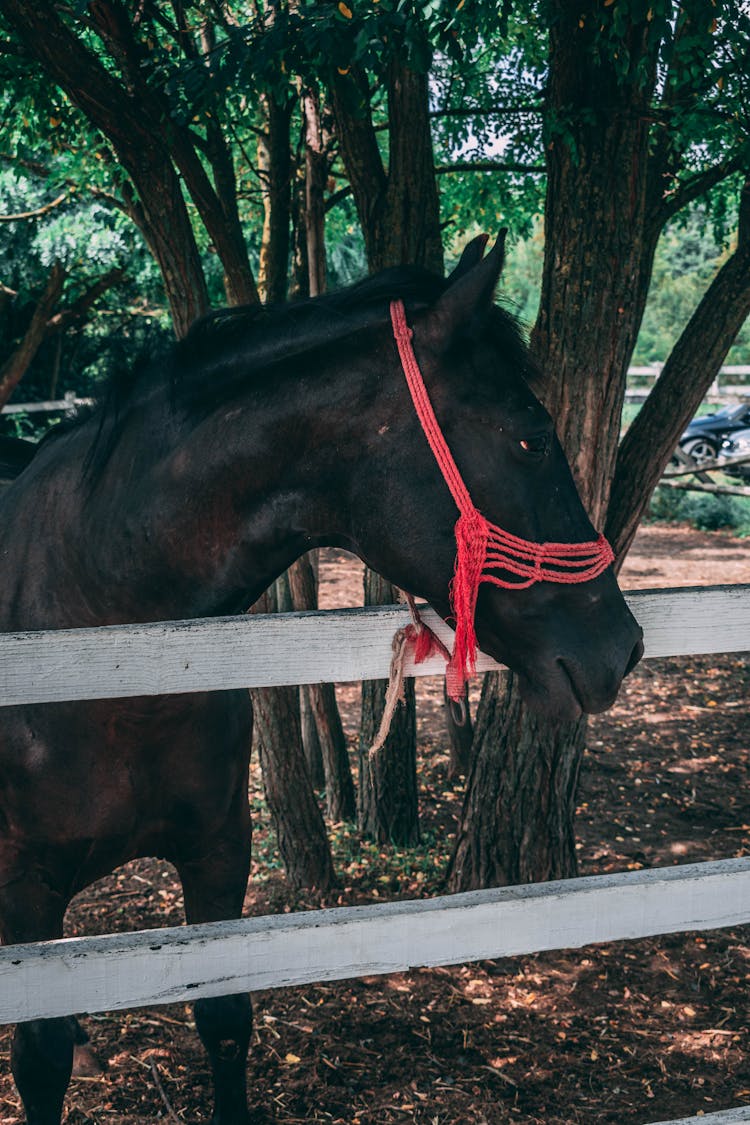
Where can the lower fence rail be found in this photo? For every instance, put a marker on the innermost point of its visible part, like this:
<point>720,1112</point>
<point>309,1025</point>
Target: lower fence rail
<point>96,974</point>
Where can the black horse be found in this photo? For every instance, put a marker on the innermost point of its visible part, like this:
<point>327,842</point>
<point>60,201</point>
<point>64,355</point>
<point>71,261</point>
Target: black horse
<point>264,433</point>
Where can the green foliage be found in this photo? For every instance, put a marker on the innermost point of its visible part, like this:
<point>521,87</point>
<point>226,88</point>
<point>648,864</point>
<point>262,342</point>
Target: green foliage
<point>704,511</point>
<point>488,73</point>
<point>89,239</point>
<point>687,258</point>
<point>83,236</point>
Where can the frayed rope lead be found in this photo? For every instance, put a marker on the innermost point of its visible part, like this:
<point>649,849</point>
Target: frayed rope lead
<point>418,641</point>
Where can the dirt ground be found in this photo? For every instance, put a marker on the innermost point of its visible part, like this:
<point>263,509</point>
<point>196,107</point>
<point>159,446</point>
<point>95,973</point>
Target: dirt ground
<point>624,1033</point>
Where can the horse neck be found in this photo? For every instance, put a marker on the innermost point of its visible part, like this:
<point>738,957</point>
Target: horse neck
<point>197,518</point>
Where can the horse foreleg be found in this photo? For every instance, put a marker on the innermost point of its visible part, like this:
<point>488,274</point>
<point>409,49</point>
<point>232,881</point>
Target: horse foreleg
<point>214,890</point>
<point>42,1052</point>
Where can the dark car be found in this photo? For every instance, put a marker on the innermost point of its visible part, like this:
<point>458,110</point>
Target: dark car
<point>738,445</point>
<point>703,437</point>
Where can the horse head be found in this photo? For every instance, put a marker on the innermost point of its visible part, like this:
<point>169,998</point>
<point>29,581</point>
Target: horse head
<point>543,598</point>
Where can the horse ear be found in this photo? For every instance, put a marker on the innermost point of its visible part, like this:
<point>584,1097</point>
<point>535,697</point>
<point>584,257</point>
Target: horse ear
<point>471,255</point>
<point>470,290</point>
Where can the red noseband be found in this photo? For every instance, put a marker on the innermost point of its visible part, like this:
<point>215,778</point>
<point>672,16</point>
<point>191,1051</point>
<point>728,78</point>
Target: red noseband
<point>484,551</point>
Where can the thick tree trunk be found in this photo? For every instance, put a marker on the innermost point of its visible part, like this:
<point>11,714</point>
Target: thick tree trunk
<point>399,210</point>
<point>521,792</point>
<point>526,768</point>
<point>680,388</point>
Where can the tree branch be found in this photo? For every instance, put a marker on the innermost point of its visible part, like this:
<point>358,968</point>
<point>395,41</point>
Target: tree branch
<point>337,197</point>
<point>78,310</point>
<point>138,137</point>
<point>16,365</point>
<point>487,111</point>
<point>23,215</point>
<point>699,185</point>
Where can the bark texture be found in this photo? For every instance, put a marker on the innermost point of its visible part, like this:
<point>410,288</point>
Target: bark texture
<point>275,166</point>
<point>297,820</point>
<point>460,736</point>
<point>317,155</point>
<point>523,795</point>
<point>517,820</point>
<point>319,701</point>
<point>399,208</point>
<point>287,779</point>
<point>680,388</point>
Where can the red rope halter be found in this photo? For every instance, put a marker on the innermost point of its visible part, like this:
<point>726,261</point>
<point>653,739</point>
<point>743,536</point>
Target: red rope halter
<point>483,547</point>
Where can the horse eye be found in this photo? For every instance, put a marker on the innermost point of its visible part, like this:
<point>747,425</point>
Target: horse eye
<point>538,445</point>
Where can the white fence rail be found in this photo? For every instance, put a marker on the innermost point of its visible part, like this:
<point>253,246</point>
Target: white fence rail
<point>165,658</point>
<point>97,974</point>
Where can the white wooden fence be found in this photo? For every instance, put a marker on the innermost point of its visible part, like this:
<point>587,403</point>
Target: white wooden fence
<point>97,974</point>
<point>730,385</point>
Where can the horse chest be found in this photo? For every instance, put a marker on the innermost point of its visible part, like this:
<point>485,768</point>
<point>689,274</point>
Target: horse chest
<point>134,771</point>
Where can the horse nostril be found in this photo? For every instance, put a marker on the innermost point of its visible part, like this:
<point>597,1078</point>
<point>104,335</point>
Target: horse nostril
<point>635,656</point>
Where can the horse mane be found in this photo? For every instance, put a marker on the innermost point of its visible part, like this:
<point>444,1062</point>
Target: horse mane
<point>230,349</point>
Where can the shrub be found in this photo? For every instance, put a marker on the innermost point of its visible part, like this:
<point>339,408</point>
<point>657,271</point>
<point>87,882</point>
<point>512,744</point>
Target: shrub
<point>704,511</point>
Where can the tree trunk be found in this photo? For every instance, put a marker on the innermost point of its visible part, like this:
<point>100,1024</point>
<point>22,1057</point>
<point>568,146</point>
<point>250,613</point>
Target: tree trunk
<point>299,283</point>
<point>275,166</point>
<point>281,600</point>
<point>287,782</point>
<point>387,809</point>
<point>597,135</point>
<point>517,819</point>
<point>324,712</point>
<point>460,736</point>
<point>317,141</point>
<point>138,141</point>
<point>296,817</point>
<point>310,738</point>
<point>680,388</point>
